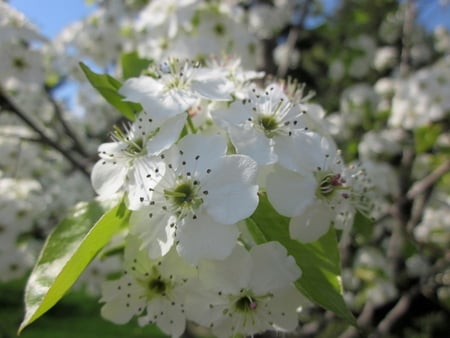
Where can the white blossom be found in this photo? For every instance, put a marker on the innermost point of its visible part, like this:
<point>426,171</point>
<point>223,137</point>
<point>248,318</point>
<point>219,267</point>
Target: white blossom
<point>197,201</point>
<point>249,292</point>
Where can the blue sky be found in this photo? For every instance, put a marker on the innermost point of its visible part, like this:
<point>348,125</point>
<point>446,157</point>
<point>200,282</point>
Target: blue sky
<point>52,15</point>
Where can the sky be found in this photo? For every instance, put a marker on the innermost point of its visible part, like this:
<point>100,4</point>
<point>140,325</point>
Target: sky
<point>52,15</point>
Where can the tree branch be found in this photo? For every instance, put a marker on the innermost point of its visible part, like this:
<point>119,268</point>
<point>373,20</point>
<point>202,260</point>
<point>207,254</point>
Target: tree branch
<point>77,145</point>
<point>294,34</point>
<point>425,183</point>
<point>7,104</point>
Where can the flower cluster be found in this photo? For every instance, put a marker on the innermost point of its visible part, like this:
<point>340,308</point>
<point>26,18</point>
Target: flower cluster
<point>193,166</point>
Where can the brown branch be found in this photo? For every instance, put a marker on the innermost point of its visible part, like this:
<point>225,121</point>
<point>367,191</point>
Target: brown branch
<point>293,36</point>
<point>408,28</point>
<point>8,105</point>
<point>425,183</point>
<point>77,145</point>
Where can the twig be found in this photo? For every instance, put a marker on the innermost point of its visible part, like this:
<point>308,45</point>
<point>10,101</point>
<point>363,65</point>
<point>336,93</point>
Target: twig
<point>77,145</point>
<point>294,34</point>
<point>7,104</point>
<point>400,308</point>
<point>408,27</point>
<point>425,183</point>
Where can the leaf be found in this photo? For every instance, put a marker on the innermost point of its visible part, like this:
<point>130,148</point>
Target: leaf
<point>67,252</point>
<point>133,65</point>
<point>425,137</point>
<point>319,261</point>
<point>108,87</point>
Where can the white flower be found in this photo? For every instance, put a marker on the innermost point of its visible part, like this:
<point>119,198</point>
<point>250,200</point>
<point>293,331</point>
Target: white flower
<point>247,293</point>
<point>261,126</point>
<point>320,191</point>
<point>178,87</point>
<point>155,290</point>
<point>124,163</point>
<point>197,201</point>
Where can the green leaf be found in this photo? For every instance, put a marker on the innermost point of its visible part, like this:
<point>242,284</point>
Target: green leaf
<point>108,87</point>
<point>67,252</point>
<point>133,65</point>
<point>425,137</point>
<point>319,261</point>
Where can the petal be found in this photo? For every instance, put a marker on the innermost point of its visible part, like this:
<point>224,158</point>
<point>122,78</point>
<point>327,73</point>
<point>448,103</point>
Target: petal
<point>169,318</point>
<point>205,238</point>
<point>272,268</point>
<point>214,89</point>
<point>167,135</point>
<point>283,308</point>
<point>312,223</point>
<point>252,142</point>
<point>201,152</point>
<point>229,275</point>
<point>142,180</point>
<point>123,299</point>
<point>298,152</point>
<point>231,196</point>
<point>108,177</point>
<point>211,84</point>
<point>156,234</point>
<point>235,114</point>
<point>289,192</point>
<point>204,306</point>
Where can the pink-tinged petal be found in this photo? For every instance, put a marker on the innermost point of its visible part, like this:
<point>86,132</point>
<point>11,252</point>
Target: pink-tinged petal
<point>229,275</point>
<point>289,192</point>
<point>312,223</point>
<point>108,177</point>
<point>204,238</point>
<point>283,268</point>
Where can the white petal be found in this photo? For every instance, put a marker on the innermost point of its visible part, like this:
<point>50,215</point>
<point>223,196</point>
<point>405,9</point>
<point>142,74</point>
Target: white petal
<point>115,148</point>
<point>167,135</point>
<point>169,318</point>
<point>252,142</point>
<point>283,306</point>
<point>198,305</point>
<point>231,195</point>
<point>289,192</point>
<point>298,152</point>
<point>140,184</point>
<point>236,114</point>
<point>123,299</point>
<point>312,223</point>
<point>272,269</point>
<point>156,234</point>
<point>201,152</point>
<point>205,238</point>
<point>217,90</point>
<point>108,177</point>
<point>229,275</point>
